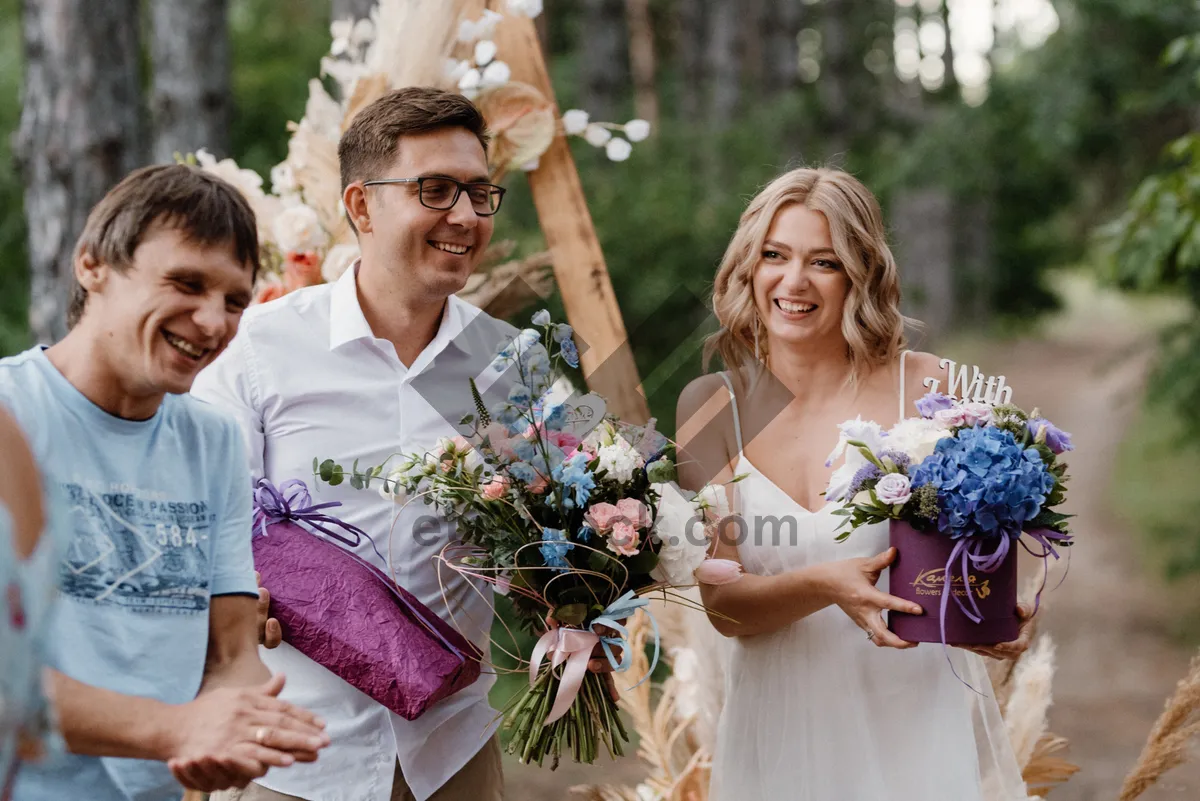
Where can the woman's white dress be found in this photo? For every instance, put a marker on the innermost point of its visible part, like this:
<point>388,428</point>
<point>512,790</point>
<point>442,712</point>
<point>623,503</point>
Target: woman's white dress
<point>816,712</point>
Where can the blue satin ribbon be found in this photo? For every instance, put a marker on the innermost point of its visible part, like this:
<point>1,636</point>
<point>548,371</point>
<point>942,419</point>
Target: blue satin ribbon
<point>621,609</point>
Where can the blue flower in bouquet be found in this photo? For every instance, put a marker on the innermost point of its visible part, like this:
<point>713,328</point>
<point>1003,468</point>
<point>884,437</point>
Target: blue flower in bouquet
<point>987,484</point>
<point>933,402</point>
<point>569,351</point>
<point>519,396</point>
<point>557,419</point>
<point>576,481</point>
<point>585,534</point>
<point>563,332</point>
<point>541,318</point>
<point>523,472</point>
<point>1055,438</point>
<point>555,548</point>
<point>526,451</point>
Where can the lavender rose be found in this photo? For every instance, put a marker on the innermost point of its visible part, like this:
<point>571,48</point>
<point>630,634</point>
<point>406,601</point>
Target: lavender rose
<point>893,488</point>
<point>1055,438</point>
<point>933,402</point>
<point>977,414</point>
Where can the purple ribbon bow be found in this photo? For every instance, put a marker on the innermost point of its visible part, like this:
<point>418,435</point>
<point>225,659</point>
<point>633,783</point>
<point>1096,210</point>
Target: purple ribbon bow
<point>972,552</point>
<point>291,502</point>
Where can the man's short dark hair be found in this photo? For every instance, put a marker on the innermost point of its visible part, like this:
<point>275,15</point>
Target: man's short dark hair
<point>205,209</point>
<point>369,145</point>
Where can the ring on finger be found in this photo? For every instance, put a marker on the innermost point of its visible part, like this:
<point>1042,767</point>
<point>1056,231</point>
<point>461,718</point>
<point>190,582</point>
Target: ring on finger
<point>260,735</point>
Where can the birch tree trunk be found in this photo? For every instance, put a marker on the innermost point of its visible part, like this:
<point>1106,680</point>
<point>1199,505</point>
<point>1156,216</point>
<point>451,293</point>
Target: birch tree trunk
<point>191,97</point>
<point>82,129</point>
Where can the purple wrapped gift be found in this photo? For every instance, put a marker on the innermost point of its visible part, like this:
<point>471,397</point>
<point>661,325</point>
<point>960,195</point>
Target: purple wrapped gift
<point>919,574</point>
<point>347,615</point>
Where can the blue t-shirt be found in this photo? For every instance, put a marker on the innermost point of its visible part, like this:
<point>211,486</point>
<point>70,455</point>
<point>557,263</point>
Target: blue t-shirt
<point>159,522</point>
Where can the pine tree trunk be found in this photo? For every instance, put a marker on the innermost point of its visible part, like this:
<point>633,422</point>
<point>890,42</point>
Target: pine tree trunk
<point>352,9</point>
<point>642,60</point>
<point>837,75</point>
<point>603,58</point>
<point>82,130</point>
<point>725,62</point>
<point>689,46</point>
<point>191,98</point>
<point>780,27</point>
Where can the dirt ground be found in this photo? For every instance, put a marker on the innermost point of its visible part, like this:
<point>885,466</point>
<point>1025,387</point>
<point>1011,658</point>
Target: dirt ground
<point>1117,662</point>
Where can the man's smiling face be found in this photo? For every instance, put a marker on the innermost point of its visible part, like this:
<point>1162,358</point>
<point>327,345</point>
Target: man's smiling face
<point>171,313</point>
<point>433,251</point>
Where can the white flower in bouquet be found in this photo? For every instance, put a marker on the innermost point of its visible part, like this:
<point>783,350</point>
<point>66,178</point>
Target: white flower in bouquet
<point>618,149</point>
<point>575,121</point>
<point>620,460</point>
<point>298,229</point>
<point>916,436</point>
<point>867,432</point>
<point>528,8</point>
<point>495,74</point>
<point>676,525</point>
<point>485,51</point>
<point>597,135</point>
<point>713,499</point>
<point>393,488</point>
<point>637,130</point>
<point>338,260</point>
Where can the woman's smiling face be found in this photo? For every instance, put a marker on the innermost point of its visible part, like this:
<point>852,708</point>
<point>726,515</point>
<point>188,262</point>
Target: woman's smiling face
<point>799,284</point>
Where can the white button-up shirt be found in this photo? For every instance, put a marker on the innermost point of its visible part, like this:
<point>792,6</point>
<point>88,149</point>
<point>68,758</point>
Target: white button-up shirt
<point>306,377</point>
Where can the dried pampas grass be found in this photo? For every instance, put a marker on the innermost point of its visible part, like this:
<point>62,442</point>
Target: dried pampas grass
<point>1167,745</point>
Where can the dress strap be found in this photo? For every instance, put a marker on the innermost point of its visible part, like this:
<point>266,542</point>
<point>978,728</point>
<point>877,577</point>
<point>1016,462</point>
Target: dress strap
<point>737,422</point>
<point>903,355</point>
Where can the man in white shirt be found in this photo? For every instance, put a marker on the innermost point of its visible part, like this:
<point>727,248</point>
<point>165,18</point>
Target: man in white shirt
<point>367,367</point>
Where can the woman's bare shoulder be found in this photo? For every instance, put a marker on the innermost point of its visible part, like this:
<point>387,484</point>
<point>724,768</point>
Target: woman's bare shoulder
<point>20,485</point>
<point>699,392</point>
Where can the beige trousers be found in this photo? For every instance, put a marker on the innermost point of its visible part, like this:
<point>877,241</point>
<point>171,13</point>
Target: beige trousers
<point>481,779</point>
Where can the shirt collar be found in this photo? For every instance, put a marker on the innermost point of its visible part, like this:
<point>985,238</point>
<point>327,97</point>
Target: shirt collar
<point>347,323</point>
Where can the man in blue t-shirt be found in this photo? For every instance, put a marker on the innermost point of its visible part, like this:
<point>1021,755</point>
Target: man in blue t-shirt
<point>154,641</point>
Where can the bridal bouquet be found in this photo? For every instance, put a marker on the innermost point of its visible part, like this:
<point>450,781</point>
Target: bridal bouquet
<point>575,516</point>
<point>959,485</point>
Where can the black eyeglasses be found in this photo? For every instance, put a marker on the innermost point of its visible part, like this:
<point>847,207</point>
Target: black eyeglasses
<point>440,194</point>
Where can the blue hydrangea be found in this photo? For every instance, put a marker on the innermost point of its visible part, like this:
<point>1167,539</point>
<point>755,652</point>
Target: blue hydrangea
<point>576,481</point>
<point>525,450</point>
<point>987,484</point>
<point>555,548</point>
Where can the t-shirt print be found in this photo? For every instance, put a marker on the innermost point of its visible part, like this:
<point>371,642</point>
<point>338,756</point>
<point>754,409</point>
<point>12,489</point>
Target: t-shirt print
<point>138,549</point>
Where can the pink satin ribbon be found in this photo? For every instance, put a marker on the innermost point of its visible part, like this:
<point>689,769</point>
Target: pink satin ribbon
<point>573,646</point>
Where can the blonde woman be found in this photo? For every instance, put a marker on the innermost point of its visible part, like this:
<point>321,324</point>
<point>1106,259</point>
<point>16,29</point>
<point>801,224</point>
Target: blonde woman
<point>823,703</point>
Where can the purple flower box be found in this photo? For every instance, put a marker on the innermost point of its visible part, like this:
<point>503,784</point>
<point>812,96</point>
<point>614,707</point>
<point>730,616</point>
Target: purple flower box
<point>918,575</point>
<point>346,615</point>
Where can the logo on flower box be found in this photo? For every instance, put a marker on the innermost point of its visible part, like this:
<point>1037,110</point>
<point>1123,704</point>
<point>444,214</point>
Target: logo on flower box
<point>929,582</point>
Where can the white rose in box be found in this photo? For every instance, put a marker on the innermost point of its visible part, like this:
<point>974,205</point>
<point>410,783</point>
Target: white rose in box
<point>297,229</point>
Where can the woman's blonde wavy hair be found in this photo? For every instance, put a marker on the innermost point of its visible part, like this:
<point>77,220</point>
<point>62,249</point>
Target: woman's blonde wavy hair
<point>871,321</point>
